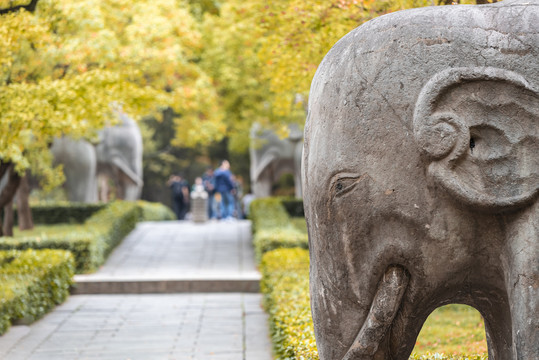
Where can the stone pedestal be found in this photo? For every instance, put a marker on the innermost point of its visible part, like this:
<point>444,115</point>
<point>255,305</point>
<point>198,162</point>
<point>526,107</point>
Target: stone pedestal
<point>199,205</point>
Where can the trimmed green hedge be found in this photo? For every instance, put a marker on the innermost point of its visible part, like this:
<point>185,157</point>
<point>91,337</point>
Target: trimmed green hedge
<point>93,241</point>
<point>32,282</point>
<point>285,285</point>
<point>62,212</point>
<point>293,206</point>
<point>273,228</point>
<point>268,213</point>
<point>154,211</point>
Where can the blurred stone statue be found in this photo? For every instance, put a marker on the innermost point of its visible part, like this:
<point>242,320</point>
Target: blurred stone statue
<point>117,157</point>
<point>272,157</point>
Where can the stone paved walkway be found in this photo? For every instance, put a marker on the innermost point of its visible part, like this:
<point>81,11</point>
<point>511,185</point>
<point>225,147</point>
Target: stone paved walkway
<point>168,321</point>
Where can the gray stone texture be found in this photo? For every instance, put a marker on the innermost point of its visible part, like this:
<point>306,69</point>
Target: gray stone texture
<point>118,156</point>
<point>421,179</point>
<point>271,157</point>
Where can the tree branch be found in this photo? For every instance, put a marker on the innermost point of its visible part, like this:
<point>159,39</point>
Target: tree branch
<point>4,167</point>
<point>8,192</point>
<point>31,7</point>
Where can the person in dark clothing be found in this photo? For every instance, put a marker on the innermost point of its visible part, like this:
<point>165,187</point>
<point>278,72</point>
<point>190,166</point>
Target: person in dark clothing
<point>180,196</point>
<point>225,186</point>
<point>208,179</point>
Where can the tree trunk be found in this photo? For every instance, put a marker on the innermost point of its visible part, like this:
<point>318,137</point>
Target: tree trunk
<point>8,219</point>
<point>12,181</point>
<point>24,213</point>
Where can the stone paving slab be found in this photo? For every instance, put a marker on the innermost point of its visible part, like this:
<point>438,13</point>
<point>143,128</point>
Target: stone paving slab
<point>160,286</point>
<point>147,327</point>
<point>178,256</point>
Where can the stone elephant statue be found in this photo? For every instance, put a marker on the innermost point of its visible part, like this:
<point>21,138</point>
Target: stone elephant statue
<point>118,156</point>
<point>271,157</point>
<point>421,179</point>
<point>79,162</point>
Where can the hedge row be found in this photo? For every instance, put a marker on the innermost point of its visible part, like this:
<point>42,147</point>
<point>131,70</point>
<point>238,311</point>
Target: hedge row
<point>293,206</point>
<point>273,228</point>
<point>151,211</point>
<point>92,242</point>
<point>62,212</point>
<point>285,285</point>
<point>32,282</point>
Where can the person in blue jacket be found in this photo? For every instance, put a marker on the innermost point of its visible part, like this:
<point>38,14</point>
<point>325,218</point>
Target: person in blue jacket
<point>224,185</point>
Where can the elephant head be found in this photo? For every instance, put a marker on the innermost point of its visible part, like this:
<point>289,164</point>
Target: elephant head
<point>421,179</point>
<point>272,156</point>
<point>119,155</point>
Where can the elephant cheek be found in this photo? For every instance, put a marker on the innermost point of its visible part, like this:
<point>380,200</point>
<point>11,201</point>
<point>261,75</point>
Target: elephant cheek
<point>336,320</point>
<point>338,290</point>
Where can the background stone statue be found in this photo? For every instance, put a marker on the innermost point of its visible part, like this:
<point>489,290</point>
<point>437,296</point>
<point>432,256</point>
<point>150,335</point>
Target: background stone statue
<point>79,161</point>
<point>117,156</point>
<point>272,157</point>
<point>421,179</point>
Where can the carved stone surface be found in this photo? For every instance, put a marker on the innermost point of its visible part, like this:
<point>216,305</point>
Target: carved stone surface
<point>118,155</point>
<point>272,157</point>
<point>79,164</point>
<point>421,179</point>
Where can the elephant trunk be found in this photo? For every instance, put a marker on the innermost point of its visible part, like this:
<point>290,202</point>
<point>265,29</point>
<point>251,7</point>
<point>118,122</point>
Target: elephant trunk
<point>382,312</point>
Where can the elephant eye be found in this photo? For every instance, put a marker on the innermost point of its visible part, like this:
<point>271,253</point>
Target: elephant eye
<point>343,183</point>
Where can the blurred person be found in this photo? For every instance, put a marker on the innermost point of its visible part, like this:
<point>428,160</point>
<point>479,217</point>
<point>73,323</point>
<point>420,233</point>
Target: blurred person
<point>180,195</point>
<point>224,185</point>
<point>208,179</point>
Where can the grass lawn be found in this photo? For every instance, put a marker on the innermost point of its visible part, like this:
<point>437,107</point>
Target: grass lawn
<point>47,230</point>
<point>452,329</point>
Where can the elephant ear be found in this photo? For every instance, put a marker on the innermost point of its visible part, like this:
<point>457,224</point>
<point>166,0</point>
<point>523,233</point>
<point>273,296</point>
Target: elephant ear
<point>479,131</point>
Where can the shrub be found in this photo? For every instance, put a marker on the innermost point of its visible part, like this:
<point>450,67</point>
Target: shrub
<point>276,238</point>
<point>32,282</point>
<point>268,213</point>
<point>273,228</point>
<point>84,244</point>
<point>285,285</point>
<point>92,242</point>
<point>62,212</point>
<point>155,211</point>
<point>293,206</point>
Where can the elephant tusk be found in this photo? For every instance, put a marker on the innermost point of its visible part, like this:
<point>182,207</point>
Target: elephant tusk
<point>383,310</point>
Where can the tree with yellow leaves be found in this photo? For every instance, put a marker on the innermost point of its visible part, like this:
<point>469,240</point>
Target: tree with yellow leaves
<point>263,55</point>
<point>62,64</point>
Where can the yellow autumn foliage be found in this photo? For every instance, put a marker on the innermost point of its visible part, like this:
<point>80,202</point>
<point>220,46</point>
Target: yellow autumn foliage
<point>63,67</point>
